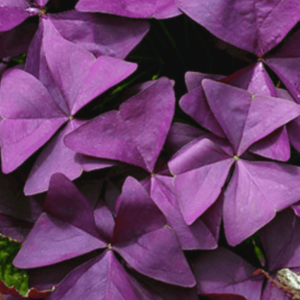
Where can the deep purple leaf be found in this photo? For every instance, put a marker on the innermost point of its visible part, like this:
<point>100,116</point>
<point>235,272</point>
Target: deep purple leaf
<point>14,228</point>
<point>286,253</point>
<point>62,241</point>
<point>141,236</point>
<point>223,272</point>
<point>101,278</point>
<point>181,134</point>
<point>136,213</point>
<point>65,202</point>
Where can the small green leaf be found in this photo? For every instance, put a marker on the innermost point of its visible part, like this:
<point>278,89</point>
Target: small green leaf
<point>9,274</point>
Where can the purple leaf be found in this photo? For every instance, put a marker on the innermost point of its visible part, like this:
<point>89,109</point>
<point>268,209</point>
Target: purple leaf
<point>159,9</point>
<point>12,13</point>
<point>196,236</point>
<point>155,290</point>
<point>271,292</point>
<point>105,137</point>
<point>181,134</point>
<point>50,276</point>
<point>101,278</point>
<point>207,184</point>
<point>88,77</point>
<point>104,219</point>
<point>255,80</point>
<point>285,254</point>
<point>55,158</point>
<point>14,228</point>
<point>136,136</point>
<point>65,202</point>
<point>198,153</point>
<point>275,145</point>
<point>140,238</point>
<point>254,26</point>
<point>100,34</point>
<point>223,272</point>
<point>158,254</point>
<point>30,117</point>
<point>62,241</point>
<point>286,69</point>
<point>27,127</point>
<point>89,163</point>
<point>193,79</point>
<point>195,105</point>
<point>285,62</point>
<point>135,201</point>
<point>250,110</point>
<point>256,191</point>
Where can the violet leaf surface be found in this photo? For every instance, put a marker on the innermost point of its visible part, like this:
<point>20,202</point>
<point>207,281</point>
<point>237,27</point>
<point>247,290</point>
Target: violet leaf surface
<point>254,26</point>
<point>160,9</point>
<point>12,13</point>
<point>196,236</point>
<point>136,136</point>
<point>143,246</point>
<point>35,125</point>
<point>193,161</point>
<point>221,271</point>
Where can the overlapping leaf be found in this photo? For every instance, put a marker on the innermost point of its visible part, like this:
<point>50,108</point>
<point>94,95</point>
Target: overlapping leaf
<point>12,13</point>
<point>27,127</point>
<point>255,26</point>
<point>255,80</point>
<point>73,232</point>
<point>134,135</point>
<point>243,120</point>
<point>160,9</point>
